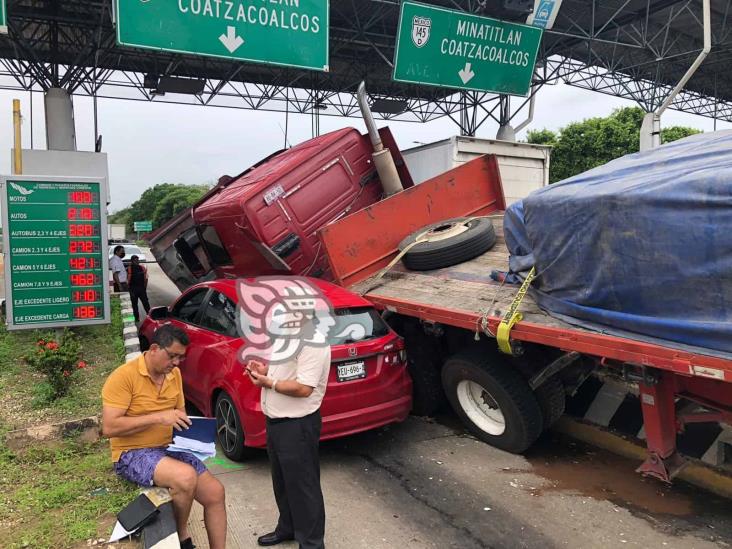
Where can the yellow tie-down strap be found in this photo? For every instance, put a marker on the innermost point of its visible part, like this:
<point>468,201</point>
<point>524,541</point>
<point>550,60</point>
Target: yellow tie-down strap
<point>512,316</point>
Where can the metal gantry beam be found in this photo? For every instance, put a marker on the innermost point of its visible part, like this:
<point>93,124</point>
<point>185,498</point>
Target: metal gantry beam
<point>634,49</point>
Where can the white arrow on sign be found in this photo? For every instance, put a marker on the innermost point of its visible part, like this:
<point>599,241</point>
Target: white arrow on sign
<point>466,74</point>
<point>230,40</point>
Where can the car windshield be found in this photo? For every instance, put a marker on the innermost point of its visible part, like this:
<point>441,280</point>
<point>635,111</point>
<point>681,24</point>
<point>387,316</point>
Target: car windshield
<point>356,324</point>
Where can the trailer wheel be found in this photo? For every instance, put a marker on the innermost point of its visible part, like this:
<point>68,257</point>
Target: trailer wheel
<point>552,400</point>
<point>423,364</point>
<point>493,400</point>
<point>450,242</point>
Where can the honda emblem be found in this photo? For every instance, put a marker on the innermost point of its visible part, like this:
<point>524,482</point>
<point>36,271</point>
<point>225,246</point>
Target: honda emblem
<point>352,351</point>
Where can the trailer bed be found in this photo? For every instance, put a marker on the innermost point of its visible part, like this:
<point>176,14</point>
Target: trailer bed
<point>466,287</point>
<point>464,295</point>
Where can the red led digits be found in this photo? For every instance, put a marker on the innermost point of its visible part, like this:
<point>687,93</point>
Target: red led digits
<point>83,247</point>
<point>85,312</point>
<point>82,263</point>
<point>84,279</point>
<point>86,296</point>
<point>82,230</point>
<point>85,214</point>
<point>82,197</point>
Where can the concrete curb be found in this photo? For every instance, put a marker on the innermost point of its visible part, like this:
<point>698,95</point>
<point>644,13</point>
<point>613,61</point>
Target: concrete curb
<point>615,406</point>
<point>129,332</point>
<point>695,472</point>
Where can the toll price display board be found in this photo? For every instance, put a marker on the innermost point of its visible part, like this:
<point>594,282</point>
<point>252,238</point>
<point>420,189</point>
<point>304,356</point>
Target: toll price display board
<point>56,271</point>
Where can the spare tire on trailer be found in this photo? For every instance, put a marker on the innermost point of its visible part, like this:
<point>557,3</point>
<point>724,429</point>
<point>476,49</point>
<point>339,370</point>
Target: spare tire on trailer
<point>492,400</point>
<point>448,242</point>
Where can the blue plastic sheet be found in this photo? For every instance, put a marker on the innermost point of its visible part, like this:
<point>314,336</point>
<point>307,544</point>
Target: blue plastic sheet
<point>642,244</point>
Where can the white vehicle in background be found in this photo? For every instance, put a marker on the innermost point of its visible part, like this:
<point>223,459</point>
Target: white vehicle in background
<point>130,250</point>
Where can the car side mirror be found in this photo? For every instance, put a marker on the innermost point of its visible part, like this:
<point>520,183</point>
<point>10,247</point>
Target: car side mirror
<point>158,313</point>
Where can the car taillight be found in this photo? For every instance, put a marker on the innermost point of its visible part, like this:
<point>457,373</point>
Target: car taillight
<point>395,352</point>
<point>398,357</point>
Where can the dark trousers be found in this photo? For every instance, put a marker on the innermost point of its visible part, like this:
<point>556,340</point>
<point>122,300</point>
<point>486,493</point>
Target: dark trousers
<point>292,445</point>
<point>141,294</point>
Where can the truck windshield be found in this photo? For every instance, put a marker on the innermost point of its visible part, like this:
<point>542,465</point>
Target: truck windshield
<point>356,324</point>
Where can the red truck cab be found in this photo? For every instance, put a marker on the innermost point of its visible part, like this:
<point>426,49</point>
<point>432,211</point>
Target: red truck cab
<point>265,220</point>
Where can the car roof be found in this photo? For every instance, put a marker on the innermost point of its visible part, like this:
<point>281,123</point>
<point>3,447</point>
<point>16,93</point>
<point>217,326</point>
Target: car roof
<point>337,296</point>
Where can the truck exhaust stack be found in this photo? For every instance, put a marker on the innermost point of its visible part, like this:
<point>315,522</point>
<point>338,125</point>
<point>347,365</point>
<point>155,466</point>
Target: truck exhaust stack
<point>383,161</point>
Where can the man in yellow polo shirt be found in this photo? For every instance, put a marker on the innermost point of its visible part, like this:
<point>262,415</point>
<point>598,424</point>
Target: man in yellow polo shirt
<point>142,404</point>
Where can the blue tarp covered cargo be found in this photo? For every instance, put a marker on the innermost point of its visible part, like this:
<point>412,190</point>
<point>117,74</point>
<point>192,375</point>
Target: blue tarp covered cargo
<point>642,244</point>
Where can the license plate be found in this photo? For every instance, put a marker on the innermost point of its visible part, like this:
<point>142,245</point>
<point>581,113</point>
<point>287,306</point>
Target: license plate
<point>351,370</point>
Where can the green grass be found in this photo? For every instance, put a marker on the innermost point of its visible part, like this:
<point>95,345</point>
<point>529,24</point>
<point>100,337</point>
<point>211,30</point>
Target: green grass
<point>102,350</point>
<point>57,495</point>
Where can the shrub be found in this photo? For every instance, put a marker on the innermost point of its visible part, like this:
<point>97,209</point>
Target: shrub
<point>58,361</point>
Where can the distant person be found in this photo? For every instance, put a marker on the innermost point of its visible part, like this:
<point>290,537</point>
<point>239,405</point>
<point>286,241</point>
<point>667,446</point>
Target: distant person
<point>137,281</point>
<point>119,273</point>
<point>142,402</point>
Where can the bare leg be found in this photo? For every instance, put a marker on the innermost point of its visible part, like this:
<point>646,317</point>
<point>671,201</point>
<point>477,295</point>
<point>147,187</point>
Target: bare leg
<point>210,494</point>
<point>182,480</point>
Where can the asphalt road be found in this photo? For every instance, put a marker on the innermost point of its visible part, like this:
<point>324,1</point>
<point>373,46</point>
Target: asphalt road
<point>428,484</point>
<point>160,290</point>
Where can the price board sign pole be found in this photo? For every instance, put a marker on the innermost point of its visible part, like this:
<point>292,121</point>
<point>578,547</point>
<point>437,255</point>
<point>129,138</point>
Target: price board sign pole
<point>56,271</point>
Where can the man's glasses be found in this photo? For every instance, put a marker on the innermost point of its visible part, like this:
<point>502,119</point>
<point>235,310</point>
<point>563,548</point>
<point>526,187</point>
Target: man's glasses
<point>174,357</point>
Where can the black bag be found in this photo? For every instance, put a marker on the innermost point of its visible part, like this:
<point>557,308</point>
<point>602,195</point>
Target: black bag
<point>138,513</point>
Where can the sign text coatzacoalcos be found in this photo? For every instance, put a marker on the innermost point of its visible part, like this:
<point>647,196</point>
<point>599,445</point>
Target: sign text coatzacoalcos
<point>281,32</point>
<point>455,49</point>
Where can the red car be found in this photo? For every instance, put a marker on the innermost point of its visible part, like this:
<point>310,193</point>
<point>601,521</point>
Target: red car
<point>368,385</point>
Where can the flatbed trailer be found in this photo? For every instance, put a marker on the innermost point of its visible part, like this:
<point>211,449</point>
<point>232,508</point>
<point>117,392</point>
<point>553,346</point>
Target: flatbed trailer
<point>453,313</point>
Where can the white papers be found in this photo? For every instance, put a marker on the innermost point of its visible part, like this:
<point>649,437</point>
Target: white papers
<point>202,450</point>
<point>198,439</point>
<point>119,532</point>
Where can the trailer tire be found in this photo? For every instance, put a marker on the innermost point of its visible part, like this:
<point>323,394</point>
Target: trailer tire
<point>423,365</point>
<point>552,400</point>
<point>427,395</point>
<point>508,415</point>
<point>478,237</point>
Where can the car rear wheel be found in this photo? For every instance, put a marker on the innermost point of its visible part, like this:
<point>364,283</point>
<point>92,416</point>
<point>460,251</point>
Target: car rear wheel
<point>229,431</point>
<point>493,401</point>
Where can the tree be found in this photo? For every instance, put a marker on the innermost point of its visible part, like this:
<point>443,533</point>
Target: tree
<point>581,146</point>
<point>159,204</point>
<point>174,202</point>
<point>542,137</point>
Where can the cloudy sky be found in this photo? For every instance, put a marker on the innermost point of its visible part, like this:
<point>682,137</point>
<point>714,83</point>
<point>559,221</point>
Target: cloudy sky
<point>150,143</point>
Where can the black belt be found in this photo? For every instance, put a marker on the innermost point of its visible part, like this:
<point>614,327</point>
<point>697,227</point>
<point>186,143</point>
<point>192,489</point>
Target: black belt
<point>275,420</point>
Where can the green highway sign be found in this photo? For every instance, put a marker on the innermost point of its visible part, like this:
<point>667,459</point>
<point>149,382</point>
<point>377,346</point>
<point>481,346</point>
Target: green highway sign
<point>3,16</point>
<point>281,32</point>
<point>142,226</point>
<point>454,49</point>
<point>56,268</point>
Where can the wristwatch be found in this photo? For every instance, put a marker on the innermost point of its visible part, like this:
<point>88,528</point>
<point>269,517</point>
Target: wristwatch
<point>274,385</point>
